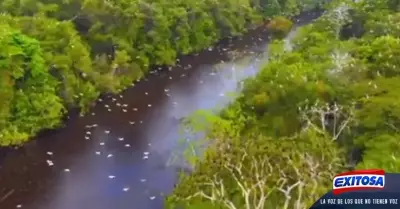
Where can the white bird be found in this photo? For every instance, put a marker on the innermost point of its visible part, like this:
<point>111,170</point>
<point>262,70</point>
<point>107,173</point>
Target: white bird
<point>106,105</point>
<point>111,177</point>
<point>98,153</point>
<point>19,206</point>
<point>107,131</point>
<point>152,197</point>
<point>146,153</point>
<point>135,109</point>
<point>87,138</point>
<point>49,162</point>
<point>121,138</point>
<point>102,143</point>
<point>66,170</point>
<point>88,133</point>
<point>166,90</point>
<point>109,155</point>
<point>142,180</point>
<point>125,189</point>
<point>131,122</point>
<point>124,110</point>
<point>141,121</point>
<point>127,145</point>
<point>49,153</point>
<point>109,110</point>
<point>145,157</point>
<point>146,93</point>
<point>149,105</point>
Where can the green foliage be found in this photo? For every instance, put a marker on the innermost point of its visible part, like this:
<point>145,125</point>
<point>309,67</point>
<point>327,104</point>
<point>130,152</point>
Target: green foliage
<point>329,90</point>
<point>280,26</point>
<point>28,91</point>
<point>252,161</point>
<point>65,55</point>
<point>93,46</point>
<point>382,152</point>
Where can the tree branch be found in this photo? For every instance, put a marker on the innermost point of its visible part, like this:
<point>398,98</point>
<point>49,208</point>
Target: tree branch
<point>335,116</point>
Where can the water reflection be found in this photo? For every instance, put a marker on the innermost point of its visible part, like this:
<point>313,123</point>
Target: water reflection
<point>106,172</point>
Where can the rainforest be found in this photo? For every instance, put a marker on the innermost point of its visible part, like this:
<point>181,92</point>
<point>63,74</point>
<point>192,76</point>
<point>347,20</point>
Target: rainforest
<point>326,105</point>
<point>323,102</point>
<point>59,55</point>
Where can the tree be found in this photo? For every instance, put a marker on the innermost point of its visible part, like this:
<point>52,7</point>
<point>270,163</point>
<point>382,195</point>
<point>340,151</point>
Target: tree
<point>28,90</point>
<point>96,46</point>
<point>329,90</point>
<point>280,26</point>
<point>261,172</point>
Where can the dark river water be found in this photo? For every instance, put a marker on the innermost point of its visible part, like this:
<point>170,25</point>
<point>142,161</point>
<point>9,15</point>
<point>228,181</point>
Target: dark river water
<point>118,156</point>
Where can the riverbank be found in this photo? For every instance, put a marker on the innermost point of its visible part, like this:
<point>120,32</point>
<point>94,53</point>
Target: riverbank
<point>226,43</point>
<point>104,48</point>
<point>215,55</point>
<point>335,88</point>
<point>86,184</point>
<point>153,129</point>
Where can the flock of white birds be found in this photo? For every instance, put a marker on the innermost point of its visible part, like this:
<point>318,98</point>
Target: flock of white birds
<point>125,108</point>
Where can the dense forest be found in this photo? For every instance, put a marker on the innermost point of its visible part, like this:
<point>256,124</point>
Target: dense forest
<point>329,104</point>
<point>61,54</point>
<point>326,105</point>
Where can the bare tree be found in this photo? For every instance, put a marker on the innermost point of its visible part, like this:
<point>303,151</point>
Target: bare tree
<point>332,119</point>
<point>313,171</point>
<point>340,61</point>
<point>259,177</point>
<point>340,16</point>
<point>254,189</point>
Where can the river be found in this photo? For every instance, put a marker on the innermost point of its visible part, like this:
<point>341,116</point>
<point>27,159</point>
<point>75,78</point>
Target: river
<point>116,157</point>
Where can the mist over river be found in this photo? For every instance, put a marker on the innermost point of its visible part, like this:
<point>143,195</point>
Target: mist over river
<point>116,156</point>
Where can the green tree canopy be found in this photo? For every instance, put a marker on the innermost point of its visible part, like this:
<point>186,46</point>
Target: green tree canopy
<point>333,94</point>
<point>28,91</point>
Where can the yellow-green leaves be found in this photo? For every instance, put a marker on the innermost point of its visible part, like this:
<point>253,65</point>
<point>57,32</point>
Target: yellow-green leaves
<point>302,110</point>
<point>29,97</point>
<point>280,26</point>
